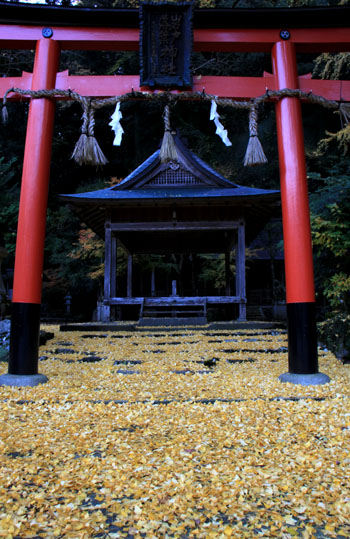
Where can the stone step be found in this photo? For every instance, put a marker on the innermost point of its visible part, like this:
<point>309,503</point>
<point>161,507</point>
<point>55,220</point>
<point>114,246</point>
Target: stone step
<point>173,321</point>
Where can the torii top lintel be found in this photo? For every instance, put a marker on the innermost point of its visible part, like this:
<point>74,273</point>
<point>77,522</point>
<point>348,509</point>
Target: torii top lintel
<point>228,30</point>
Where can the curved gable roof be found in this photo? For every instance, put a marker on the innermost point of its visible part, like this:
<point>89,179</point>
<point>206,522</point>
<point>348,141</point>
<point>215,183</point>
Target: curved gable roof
<point>210,188</point>
<point>187,160</point>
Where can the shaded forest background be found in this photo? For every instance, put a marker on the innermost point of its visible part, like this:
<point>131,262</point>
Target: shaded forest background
<point>74,255</point>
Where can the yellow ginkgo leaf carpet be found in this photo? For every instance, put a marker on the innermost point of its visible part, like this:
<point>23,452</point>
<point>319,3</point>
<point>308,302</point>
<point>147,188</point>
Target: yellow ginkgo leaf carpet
<point>186,433</point>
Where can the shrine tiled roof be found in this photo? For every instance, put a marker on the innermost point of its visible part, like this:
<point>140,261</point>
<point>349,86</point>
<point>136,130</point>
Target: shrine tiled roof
<point>111,194</point>
<point>189,178</point>
<point>186,181</point>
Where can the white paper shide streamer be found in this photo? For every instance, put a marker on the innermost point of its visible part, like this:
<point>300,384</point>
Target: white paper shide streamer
<point>220,130</point>
<point>115,125</point>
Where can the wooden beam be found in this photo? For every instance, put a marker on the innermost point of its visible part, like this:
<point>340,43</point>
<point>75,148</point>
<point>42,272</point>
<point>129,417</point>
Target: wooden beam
<point>113,266</point>
<point>170,301</point>
<point>153,282</point>
<point>230,87</point>
<point>174,287</point>
<point>227,272</point>
<point>173,226</point>
<point>71,37</point>
<point>107,85</point>
<point>261,40</point>
<point>206,39</point>
<point>240,272</point>
<point>108,260</point>
<point>129,277</point>
<point>193,271</point>
<point>106,314</point>
<point>123,301</point>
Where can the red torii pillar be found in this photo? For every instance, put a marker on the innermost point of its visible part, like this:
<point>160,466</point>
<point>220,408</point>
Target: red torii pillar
<point>26,301</point>
<point>300,290</point>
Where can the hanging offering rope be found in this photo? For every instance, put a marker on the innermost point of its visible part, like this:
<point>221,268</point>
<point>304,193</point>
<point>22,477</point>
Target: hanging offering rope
<point>116,126</point>
<point>168,150</point>
<point>88,151</point>
<point>254,154</point>
<point>220,130</point>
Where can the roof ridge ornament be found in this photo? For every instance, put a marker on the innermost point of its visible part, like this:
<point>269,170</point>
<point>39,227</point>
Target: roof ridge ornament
<point>173,166</point>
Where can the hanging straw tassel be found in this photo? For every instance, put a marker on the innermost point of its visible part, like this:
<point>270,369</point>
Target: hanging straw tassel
<point>254,154</point>
<point>79,152</point>
<point>94,153</point>
<point>344,111</point>
<point>87,150</point>
<point>4,115</point>
<point>168,150</point>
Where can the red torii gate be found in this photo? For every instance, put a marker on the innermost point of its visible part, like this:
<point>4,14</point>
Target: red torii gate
<point>234,32</point>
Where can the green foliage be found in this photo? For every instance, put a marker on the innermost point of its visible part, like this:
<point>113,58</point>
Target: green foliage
<point>339,141</point>
<point>163,264</point>
<point>9,204</point>
<point>332,66</point>
<point>337,291</point>
<point>330,221</point>
<point>73,252</point>
<point>13,62</point>
<point>213,271</point>
<point>89,252</point>
<point>334,332</point>
<point>331,231</point>
<point>330,213</point>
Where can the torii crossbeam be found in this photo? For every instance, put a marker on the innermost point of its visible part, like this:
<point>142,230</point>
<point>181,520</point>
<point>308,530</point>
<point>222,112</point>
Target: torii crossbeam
<point>283,33</point>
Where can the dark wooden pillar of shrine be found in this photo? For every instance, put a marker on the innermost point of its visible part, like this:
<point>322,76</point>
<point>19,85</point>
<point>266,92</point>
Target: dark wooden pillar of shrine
<point>153,282</point>
<point>114,266</point>
<point>240,272</point>
<point>110,270</point>
<point>129,277</point>
<point>193,274</point>
<point>227,272</point>
<point>106,315</point>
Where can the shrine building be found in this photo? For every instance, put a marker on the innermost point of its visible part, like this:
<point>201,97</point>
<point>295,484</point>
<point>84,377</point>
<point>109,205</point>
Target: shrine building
<point>180,206</point>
